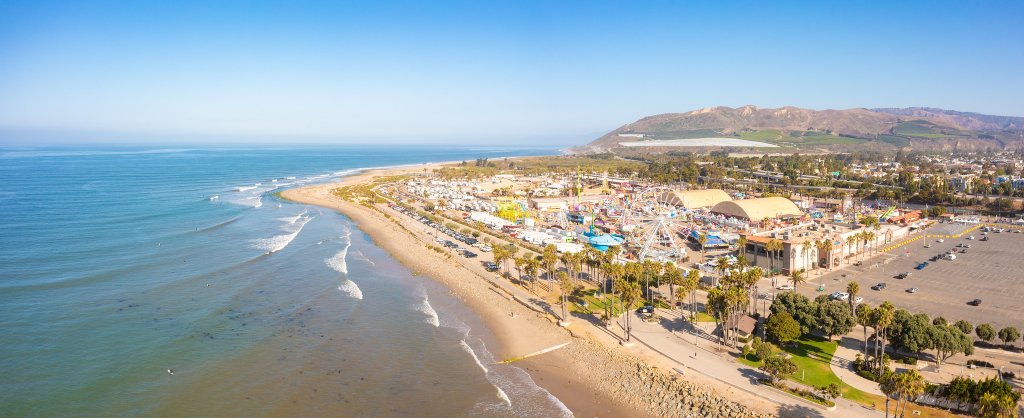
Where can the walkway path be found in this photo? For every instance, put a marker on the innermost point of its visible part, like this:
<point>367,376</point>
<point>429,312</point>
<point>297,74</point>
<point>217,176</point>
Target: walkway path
<point>842,366</point>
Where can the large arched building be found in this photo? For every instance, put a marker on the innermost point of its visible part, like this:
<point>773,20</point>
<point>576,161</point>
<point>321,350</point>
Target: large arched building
<point>695,199</point>
<point>758,209</point>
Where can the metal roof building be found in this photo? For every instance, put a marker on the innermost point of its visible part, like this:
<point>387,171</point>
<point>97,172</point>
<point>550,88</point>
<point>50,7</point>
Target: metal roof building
<point>695,199</point>
<point>757,209</point>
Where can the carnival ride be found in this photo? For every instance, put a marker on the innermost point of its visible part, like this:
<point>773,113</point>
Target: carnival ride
<point>651,228</point>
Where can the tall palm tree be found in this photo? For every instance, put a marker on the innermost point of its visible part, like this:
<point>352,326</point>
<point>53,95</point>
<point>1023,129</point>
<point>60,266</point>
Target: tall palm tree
<point>674,277</point>
<point>797,278</point>
<point>807,247</point>
<point>852,288</point>
<point>864,315</point>
<point>520,263</point>
<point>827,246</point>
<point>566,286</point>
<point>850,242</point>
<point>882,318</point>
<point>532,268</point>
<point>549,257</point>
<point>742,244</point>
<point>630,294</point>
<point>691,284</point>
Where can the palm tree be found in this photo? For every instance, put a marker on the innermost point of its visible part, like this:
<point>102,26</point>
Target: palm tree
<point>864,315</point>
<point>992,405</point>
<point>532,268</point>
<point>565,285</point>
<point>674,277</point>
<point>797,278</point>
<point>691,284</point>
<point>852,288</point>
<point>630,294</point>
<point>742,244</point>
<point>850,242</point>
<point>870,236</point>
<point>827,246</point>
<point>882,318</point>
<point>549,258</point>
<point>722,265</point>
<point>520,263</point>
<point>889,385</point>
<point>773,247</point>
<point>808,245</point>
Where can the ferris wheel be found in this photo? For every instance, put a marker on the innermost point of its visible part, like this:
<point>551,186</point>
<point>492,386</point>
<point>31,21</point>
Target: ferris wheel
<point>653,229</point>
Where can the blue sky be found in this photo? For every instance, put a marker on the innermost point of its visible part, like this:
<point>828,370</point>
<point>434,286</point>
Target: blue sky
<point>480,72</point>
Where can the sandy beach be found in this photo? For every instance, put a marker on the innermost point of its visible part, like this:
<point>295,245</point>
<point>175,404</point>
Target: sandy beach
<point>592,375</point>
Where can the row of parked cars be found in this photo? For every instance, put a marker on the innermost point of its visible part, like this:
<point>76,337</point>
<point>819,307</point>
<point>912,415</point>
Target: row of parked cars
<point>468,240</point>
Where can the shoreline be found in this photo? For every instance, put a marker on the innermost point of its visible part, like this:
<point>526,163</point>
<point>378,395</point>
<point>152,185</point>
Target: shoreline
<point>591,376</point>
<point>510,333</point>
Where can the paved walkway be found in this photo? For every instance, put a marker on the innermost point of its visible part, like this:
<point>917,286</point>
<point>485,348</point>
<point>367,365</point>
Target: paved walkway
<point>842,366</point>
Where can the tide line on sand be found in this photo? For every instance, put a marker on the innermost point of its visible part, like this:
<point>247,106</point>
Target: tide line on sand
<point>536,353</point>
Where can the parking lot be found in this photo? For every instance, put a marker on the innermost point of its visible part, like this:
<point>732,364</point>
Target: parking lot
<point>991,271</point>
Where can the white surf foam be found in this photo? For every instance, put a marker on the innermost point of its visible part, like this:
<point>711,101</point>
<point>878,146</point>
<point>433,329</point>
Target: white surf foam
<point>503,396</point>
<point>292,219</point>
<point>279,242</point>
<point>351,288</point>
<point>215,197</point>
<point>363,257</point>
<point>244,188</point>
<point>558,403</point>
<point>259,202</point>
<point>469,350</point>
<point>337,261</point>
<point>429,311</point>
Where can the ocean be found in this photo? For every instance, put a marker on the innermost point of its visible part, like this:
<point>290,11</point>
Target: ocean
<point>172,282</point>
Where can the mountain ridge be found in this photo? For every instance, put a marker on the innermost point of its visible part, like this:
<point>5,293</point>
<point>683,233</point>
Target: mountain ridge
<point>823,130</point>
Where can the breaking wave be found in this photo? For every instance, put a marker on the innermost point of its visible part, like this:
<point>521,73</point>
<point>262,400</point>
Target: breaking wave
<point>351,288</point>
<point>429,311</point>
<point>279,242</point>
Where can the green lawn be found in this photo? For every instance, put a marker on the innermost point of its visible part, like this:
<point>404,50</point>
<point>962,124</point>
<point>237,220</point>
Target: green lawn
<point>813,356</point>
<point>594,304</point>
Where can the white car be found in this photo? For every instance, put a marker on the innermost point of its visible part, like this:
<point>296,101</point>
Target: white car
<point>840,296</point>
<point>858,300</point>
<point>486,248</point>
<point>785,287</point>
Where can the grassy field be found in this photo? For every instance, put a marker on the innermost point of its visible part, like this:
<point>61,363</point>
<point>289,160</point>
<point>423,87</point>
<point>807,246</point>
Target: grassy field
<point>813,357</point>
<point>894,140</point>
<point>767,135</point>
<point>794,138</point>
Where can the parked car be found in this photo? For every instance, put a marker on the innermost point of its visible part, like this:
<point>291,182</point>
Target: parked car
<point>879,286</point>
<point>490,266</point>
<point>858,300</point>
<point>646,309</point>
<point>840,295</point>
<point>975,302</point>
<point>912,290</point>
<point>903,275</point>
<point>785,287</point>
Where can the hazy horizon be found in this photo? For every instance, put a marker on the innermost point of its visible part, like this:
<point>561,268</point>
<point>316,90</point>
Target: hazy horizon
<point>477,73</point>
